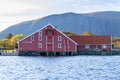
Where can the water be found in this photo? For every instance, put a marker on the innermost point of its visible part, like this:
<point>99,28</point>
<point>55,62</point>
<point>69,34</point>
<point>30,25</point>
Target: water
<point>60,68</point>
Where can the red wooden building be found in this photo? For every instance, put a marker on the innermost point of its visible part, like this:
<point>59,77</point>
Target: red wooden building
<point>48,39</point>
<point>93,42</point>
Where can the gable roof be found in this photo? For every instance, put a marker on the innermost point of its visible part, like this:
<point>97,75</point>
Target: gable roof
<point>34,32</point>
<point>66,36</point>
<point>52,27</point>
<point>91,39</point>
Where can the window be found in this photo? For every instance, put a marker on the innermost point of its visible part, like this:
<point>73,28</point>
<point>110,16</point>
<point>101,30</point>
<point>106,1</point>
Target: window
<point>49,32</point>
<point>87,46</point>
<point>104,46</point>
<point>59,38</point>
<point>39,45</point>
<point>59,45</point>
<point>40,36</point>
<point>40,33</point>
<point>32,38</point>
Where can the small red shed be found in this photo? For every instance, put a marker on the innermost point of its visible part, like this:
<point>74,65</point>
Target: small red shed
<point>93,42</point>
<point>47,39</point>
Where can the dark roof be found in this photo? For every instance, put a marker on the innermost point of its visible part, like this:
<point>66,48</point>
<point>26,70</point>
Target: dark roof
<point>91,39</point>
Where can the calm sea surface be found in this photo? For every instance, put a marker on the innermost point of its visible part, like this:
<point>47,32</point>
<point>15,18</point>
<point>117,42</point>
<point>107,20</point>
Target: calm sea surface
<point>60,68</point>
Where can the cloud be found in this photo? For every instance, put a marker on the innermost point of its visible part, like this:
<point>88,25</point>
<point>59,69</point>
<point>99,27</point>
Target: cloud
<point>13,11</point>
<point>9,7</point>
<point>39,7</point>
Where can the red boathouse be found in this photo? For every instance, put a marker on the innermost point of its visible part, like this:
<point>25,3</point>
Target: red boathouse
<point>50,41</point>
<point>47,40</point>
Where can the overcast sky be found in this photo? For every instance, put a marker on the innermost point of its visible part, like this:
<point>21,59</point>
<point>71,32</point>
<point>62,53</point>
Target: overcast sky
<point>15,11</point>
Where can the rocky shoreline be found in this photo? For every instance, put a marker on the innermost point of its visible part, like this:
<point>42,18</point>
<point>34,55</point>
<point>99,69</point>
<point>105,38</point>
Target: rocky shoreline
<point>80,52</point>
<point>9,54</point>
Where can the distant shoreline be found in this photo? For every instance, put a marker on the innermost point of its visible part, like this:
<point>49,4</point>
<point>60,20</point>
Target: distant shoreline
<point>82,52</point>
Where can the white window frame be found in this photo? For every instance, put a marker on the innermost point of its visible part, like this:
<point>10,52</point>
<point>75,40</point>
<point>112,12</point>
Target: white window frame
<point>39,45</point>
<point>59,38</point>
<point>87,46</point>
<point>59,45</point>
<point>40,35</point>
<point>32,38</point>
<point>104,46</point>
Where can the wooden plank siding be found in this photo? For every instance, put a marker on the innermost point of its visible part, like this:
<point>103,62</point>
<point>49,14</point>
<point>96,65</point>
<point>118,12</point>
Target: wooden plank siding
<point>49,42</point>
<point>94,42</point>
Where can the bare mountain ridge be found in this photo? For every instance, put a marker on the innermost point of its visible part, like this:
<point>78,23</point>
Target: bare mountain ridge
<point>99,23</point>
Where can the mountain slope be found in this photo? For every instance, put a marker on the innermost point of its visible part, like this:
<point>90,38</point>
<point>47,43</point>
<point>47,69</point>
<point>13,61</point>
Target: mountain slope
<point>101,23</point>
<point>109,15</point>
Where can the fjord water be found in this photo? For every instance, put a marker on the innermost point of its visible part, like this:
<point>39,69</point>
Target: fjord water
<point>60,68</point>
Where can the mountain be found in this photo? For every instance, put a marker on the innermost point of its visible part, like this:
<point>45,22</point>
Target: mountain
<point>98,23</point>
<point>106,15</point>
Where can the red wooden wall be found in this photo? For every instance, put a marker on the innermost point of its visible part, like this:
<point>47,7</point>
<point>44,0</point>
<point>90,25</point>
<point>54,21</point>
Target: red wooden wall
<point>49,41</point>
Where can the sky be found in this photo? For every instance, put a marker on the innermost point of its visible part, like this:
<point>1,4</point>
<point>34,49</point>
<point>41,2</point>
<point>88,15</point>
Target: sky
<point>16,11</point>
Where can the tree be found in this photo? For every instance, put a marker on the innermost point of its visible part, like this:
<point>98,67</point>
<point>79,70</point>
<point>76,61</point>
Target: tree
<point>70,33</point>
<point>16,38</point>
<point>9,36</point>
<point>6,44</point>
<point>87,34</point>
<point>1,45</point>
<point>10,43</point>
